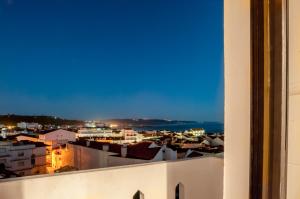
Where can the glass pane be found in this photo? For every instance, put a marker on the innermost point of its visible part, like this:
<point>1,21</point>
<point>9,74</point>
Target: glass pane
<point>108,84</point>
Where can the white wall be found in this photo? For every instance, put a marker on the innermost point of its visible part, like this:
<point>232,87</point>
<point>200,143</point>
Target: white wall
<point>40,161</point>
<point>293,180</point>
<point>155,181</point>
<point>237,98</point>
<point>22,137</point>
<point>39,151</point>
<point>16,166</point>
<point>59,135</point>
<point>86,158</point>
<point>170,154</point>
<point>14,154</point>
<point>119,161</point>
<point>201,178</point>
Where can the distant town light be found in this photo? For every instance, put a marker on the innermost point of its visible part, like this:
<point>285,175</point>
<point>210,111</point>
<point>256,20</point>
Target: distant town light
<point>113,126</point>
<point>10,127</point>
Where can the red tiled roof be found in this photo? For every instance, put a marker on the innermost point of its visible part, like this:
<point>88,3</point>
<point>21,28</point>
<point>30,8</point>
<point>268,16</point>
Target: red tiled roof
<point>115,148</point>
<point>27,142</point>
<point>140,150</point>
<point>28,135</point>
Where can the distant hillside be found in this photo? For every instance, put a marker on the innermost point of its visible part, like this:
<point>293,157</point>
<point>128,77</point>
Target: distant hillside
<point>145,122</point>
<point>14,119</point>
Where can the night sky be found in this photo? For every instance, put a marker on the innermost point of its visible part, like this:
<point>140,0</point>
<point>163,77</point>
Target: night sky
<point>94,59</point>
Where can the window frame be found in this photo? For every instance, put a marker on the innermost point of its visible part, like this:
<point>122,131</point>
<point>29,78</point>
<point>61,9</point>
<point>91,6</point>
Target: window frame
<point>269,87</point>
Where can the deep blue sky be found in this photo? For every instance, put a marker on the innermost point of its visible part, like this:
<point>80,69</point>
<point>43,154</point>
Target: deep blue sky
<point>112,58</point>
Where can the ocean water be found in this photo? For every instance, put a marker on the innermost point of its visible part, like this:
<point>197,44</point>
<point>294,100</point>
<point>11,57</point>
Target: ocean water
<point>210,128</point>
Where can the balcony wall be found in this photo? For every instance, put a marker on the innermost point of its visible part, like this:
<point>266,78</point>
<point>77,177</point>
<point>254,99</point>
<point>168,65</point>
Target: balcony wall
<point>202,179</point>
<point>237,98</point>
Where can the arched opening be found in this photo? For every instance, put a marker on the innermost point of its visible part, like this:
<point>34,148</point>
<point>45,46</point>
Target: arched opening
<point>179,191</point>
<point>138,195</point>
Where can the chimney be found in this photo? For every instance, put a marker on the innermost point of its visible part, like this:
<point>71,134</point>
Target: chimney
<point>88,143</point>
<point>124,151</point>
<point>105,147</point>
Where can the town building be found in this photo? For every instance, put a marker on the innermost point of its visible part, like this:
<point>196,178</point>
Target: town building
<point>28,137</point>
<point>57,138</point>
<point>25,125</point>
<point>85,154</point>
<point>96,132</point>
<point>23,157</point>
<point>197,132</point>
<point>131,135</point>
<point>90,124</point>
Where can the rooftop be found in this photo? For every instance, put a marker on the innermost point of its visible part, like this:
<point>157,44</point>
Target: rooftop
<point>140,150</point>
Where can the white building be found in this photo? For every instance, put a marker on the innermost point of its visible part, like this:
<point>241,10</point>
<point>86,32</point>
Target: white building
<point>96,132</point>
<point>197,132</point>
<point>90,124</point>
<point>57,138</point>
<point>131,135</point>
<point>3,132</point>
<point>32,138</point>
<point>121,137</point>
<point>25,125</point>
<point>23,158</point>
<point>90,154</point>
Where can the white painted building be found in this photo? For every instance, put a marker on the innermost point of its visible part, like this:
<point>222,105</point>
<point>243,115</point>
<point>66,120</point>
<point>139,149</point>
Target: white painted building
<point>57,138</point>
<point>25,125</point>
<point>28,137</point>
<point>90,124</point>
<point>197,132</point>
<point>90,155</point>
<point>24,158</point>
<point>131,135</point>
<point>97,132</point>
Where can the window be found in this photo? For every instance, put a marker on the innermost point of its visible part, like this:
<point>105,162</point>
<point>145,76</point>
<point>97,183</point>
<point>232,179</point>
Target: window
<point>161,68</point>
<point>138,195</point>
<point>2,161</point>
<point>21,163</point>
<point>21,154</point>
<point>33,159</point>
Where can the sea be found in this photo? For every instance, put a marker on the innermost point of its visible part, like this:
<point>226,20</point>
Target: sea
<point>210,127</point>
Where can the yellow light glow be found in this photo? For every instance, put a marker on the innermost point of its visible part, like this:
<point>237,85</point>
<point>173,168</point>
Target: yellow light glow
<point>10,127</point>
<point>113,126</point>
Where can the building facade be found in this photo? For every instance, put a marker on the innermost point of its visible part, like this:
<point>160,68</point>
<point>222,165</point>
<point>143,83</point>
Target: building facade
<point>23,158</point>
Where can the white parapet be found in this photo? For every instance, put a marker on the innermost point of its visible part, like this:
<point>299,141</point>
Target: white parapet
<point>199,178</point>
